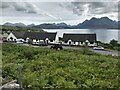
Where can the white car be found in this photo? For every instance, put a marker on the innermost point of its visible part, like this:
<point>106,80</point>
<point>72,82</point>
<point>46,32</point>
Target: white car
<point>98,48</point>
<point>19,42</point>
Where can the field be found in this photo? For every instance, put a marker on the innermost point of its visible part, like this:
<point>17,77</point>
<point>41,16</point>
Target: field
<point>46,68</point>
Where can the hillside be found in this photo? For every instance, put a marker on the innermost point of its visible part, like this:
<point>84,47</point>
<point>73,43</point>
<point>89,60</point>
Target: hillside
<point>17,28</point>
<point>52,26</point>
<point>47,68</point>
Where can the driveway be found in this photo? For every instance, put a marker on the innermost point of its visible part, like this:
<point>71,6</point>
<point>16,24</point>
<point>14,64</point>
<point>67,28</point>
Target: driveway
<point>107,52</point>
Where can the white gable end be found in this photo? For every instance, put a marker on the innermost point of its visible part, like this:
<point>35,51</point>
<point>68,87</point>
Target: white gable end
<point>11,37</point>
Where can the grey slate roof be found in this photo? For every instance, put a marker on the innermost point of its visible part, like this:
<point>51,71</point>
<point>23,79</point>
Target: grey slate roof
<point>79,37</point>
<point>19,34</point>
<point>40,35</point>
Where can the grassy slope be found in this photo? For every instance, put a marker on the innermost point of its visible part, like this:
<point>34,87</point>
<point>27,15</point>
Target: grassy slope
<point>43,68</point>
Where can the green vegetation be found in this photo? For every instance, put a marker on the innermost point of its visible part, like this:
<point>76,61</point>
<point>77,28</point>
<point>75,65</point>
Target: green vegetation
<point>7,29</point>
<point>113,45</point>
<point>30,41</point>
<point>46,68</point>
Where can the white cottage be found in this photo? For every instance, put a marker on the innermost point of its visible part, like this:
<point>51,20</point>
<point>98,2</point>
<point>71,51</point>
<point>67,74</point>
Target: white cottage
<point>79,39</point>
<point>40,37</point>
<point>15,36</point>
<point>36,37</point>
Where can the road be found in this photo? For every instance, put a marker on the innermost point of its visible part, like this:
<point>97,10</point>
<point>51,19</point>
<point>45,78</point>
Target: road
<point>107,52</point>
<point>103,52</point>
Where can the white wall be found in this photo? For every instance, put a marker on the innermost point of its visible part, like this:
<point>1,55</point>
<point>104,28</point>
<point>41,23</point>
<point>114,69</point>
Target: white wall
<point>56,39</point>
<point>14,38</point>
<point>79,43</point>
<point>11,35</point>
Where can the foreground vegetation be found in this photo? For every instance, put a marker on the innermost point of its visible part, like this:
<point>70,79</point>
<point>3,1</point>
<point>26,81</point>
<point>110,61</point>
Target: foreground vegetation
<point>46,68</point>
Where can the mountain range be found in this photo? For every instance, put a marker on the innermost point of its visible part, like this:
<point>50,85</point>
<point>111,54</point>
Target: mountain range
<point>93,23</point>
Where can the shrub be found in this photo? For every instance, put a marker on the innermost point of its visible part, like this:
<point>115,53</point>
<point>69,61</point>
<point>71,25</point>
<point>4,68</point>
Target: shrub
<point>114,43</point>
<point>28,54</point>
<point>30,41</point>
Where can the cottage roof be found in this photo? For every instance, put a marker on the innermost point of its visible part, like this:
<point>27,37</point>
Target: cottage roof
<point>79,37</point>
<point>40,35</point>
<point>18,34</point>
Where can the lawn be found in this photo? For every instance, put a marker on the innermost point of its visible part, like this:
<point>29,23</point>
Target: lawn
<point>48,68</point>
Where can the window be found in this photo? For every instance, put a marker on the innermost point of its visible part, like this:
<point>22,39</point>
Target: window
<point>51,40</point>
<point>11,38</point>
<point>91,42</point>
<point>46,41</point>
<point>69,43</point>
<point>81,42</point>
<point>65,41</point>
<point>36,39</point>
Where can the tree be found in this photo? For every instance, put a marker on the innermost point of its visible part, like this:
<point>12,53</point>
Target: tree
<point>114,43</point>
<point>30,41</point>
<point>85,49</point>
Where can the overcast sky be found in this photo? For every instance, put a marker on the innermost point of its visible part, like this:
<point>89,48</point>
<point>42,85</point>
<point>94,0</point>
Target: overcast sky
<point>72,12</point>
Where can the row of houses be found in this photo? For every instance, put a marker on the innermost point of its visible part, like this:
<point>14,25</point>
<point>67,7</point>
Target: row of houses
<point>51,38</point>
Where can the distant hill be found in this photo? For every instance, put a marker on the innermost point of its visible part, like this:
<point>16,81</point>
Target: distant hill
<point>103,22</point>
<point>52,26</point>
<point>98,23</point>
<point>31,25</point>
<point>46,26</point>
<point>15,24</point>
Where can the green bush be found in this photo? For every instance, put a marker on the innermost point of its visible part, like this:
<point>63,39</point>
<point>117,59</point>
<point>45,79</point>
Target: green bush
<point>28,54</point>
<point>30,41</point>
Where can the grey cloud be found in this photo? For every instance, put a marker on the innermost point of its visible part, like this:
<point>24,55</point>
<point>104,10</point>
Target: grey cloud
<point>4,5</point>
<point>94,8</point>
<point>19,6</point>
<point>78,8</point>
<point>75,7</point>
<point>26,7</point>
<point>30,8</point>
<point>102,7</point>
<point>96,5</point>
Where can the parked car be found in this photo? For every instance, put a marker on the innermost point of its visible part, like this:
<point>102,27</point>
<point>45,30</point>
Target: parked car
<point>42,44</point>
<point>19,42</point>
<point>56,46</point>
<point>98,48</point>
